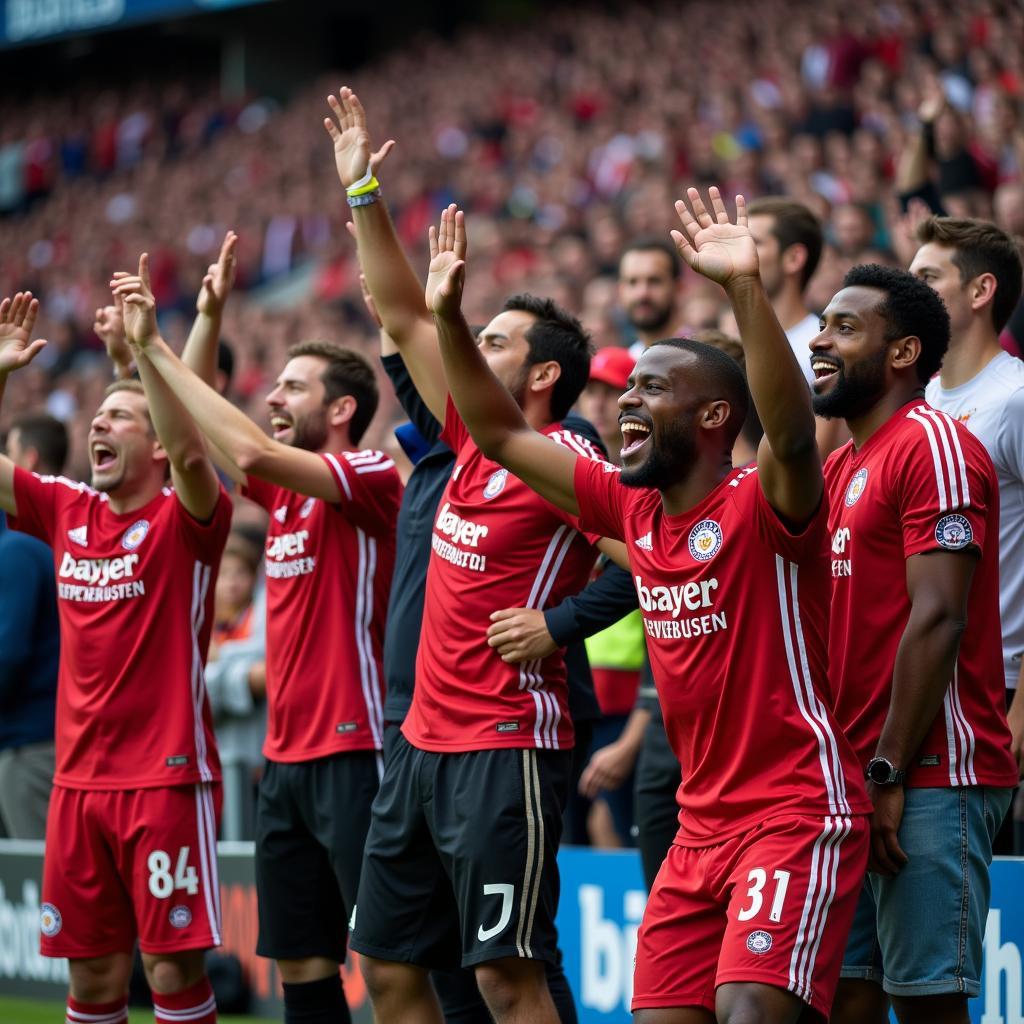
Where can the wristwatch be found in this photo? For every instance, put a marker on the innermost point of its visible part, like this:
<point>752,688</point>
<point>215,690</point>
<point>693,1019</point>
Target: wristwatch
<point>882,772</point>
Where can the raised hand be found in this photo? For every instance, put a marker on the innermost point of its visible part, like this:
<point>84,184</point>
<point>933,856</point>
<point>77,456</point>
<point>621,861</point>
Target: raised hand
<point>109,328</point>
<point>448,247</point>
<point>353,154</point>
<point>219,280</point>
<point>138,307</point>
<point>712,245</point>
<point>17,319</point>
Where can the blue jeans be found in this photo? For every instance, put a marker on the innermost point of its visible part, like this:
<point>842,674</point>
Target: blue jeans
<point>920,933</point>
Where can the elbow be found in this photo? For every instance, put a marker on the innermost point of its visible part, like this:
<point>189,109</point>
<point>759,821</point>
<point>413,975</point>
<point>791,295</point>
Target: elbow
<point>251,456</point>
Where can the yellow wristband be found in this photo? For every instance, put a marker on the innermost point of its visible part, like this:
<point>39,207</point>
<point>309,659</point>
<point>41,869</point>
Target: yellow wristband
<point>361,190</point>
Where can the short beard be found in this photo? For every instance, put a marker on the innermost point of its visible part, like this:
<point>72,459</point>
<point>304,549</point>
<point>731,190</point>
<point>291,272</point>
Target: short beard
<point>855,393</point>
<point>110,486</point>
<point>666,465</point>
<point>656,320</point>
<point>310,431</point>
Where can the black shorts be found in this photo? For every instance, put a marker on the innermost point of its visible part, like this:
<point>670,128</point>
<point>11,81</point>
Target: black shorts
<point>460,861</point>
<point>311,824</point>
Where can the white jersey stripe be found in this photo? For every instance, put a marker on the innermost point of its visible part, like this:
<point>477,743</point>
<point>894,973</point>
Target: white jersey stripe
<point>952,474</point>
<point>967,763</point>
<point>940,478</point>
<point>951,743</point>
<point>815,706</point>
<point>378,468</point>
<point>200,585</point>
<point>784,608</point>
<point>339,474</point>
<point>376,712</point>
<point>954,454</point>
<point>367,670</point>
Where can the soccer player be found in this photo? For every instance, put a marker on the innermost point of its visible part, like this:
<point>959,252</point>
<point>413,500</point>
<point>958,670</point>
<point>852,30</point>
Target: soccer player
<point>914,646</point>
<point>130,848</point>
<point>976,269</point>
<point>460,860</point>
<point>329,557</point>
<point>749,913</point>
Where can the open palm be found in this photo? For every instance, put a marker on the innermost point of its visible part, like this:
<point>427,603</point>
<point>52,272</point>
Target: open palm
<point>17,319</point>
<point>353,155</point>
<point>712,245</point>
<point>447,247</point>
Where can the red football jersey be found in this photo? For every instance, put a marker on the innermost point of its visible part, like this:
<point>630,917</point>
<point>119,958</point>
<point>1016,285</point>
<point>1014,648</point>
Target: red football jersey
<point>922,482</point>
<point>328,571</point>
<point>496,544</point>
<point>135,599</point>
<point>735,611</point>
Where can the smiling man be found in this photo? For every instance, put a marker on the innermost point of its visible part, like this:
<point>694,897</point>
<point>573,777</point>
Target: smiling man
<point>329,558</point>
<point>915,652</point>
<point>749,913</point>
<point>132,826</point>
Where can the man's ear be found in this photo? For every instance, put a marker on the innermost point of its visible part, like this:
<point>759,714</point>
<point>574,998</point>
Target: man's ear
<point>904,352</point>
<point>544,375</point>
<point>341,411</point>
<point>715,414</point>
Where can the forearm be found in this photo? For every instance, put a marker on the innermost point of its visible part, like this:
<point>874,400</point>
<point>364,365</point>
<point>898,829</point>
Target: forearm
<point>776,382</point>
<point>228,428</point>
<point>925,662</point>
<point>397,291</point>
<point>912,166</point>
<point>174,427</point>
<point>486,406</point>
<point>200,352</point>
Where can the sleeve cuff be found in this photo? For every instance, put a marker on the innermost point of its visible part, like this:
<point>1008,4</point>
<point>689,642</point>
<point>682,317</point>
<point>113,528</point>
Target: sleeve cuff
<point>562,625</point>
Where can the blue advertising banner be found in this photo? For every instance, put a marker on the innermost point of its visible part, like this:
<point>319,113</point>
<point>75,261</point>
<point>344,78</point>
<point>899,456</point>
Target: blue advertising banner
<point>601,907</point>
<point>33,21</point>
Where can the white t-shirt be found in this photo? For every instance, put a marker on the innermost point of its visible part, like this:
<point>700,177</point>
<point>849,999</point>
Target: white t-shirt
<point>991,406</point>
<point>800,336</point>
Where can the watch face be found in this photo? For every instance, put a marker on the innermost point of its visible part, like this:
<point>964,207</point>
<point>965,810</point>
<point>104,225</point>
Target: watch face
<point>879,772</point>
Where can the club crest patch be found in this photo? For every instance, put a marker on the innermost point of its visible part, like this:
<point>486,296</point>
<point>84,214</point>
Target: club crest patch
<point>135,535</point>
<point>759,942</point>
<point>50,922</point>
<point>496,484</point>
<point>856,488</point>
<point>953,532</point>
<point>180,916</point>
<point>705,540</point>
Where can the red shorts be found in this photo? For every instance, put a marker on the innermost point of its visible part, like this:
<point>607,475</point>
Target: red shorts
<point>121,863</point>
<point>773,905</point>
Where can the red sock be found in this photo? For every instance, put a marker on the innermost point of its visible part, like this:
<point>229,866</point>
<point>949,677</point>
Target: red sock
<point>96,1013</point>
<point>194,1005</point>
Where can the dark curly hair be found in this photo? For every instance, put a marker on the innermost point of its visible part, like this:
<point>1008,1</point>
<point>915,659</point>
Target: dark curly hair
<point>910,308</point>
<point>557,336</point>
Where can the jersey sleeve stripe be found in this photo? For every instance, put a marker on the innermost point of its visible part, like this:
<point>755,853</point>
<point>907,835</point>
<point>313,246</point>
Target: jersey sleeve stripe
<point>952,469</point>
<point>378,468</point>
<point>369,455</point>
<point>958,460</point>
<point>937,459</point>
<point>339,475</point>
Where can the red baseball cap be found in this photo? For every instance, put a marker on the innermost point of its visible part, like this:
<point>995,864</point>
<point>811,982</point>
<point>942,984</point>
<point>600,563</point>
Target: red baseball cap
<point>612,366</point>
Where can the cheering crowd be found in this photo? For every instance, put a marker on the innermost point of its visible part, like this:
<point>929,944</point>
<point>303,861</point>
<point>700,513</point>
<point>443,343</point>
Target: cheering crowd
<point>747,521</point>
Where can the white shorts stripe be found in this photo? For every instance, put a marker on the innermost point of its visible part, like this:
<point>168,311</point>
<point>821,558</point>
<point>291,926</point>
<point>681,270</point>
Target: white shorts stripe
<point>207,870</point>
<point>522,938</point>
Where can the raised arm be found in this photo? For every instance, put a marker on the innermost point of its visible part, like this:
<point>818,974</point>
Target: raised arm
<point>488,409</point>
<point>396,290</point>
<point>241,440</point>
<point>200,352</point>
<point>195,481</point>
<point>789,466</point>
<point>17,320</point>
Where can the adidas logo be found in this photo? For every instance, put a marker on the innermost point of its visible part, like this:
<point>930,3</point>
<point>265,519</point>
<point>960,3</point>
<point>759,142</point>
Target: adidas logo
<point>645,542</point>
<point>80,535</point>
<point>281,514</point>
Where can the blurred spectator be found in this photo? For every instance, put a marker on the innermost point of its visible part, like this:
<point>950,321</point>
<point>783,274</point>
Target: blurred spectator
<point>649,273</point>
<point>599,403</point>
<point>29,644</point>
<point>236,679</point>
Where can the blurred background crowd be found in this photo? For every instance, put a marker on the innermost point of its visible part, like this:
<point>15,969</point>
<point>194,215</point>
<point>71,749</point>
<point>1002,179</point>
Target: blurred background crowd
<point>565,134</point>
